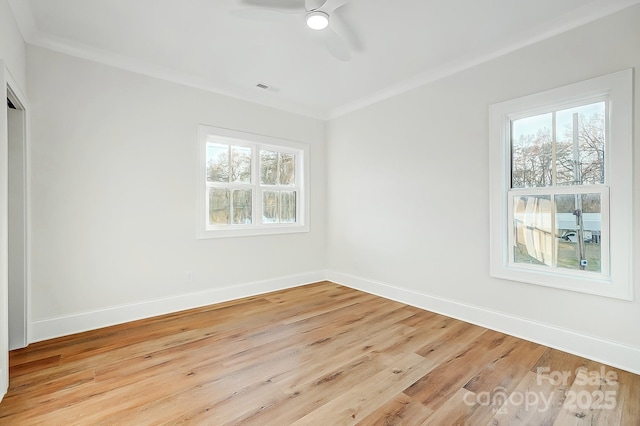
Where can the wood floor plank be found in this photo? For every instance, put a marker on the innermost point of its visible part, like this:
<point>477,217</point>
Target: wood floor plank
<point>313,394</point>
<point>457,336</point>
<point>502,375</point>
<point>321,354</point>
<point>448,377</point>
<point>582,404</point>
<point>356,403</point>
<point>401,410</point>
<point>534,401</point>
<point>628,403</point>
<point>500,372</point>
<point>36,365</point>
<point>457,410</point>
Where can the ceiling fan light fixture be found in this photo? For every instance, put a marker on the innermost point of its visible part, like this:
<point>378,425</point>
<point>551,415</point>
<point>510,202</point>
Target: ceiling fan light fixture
<point>317,20</point>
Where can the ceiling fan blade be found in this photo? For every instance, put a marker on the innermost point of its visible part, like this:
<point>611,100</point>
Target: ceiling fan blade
<point>314,4</point>
<point>332,5</point>
<point>284,6</point>
<point>336,45</point>
<point>345,32</point>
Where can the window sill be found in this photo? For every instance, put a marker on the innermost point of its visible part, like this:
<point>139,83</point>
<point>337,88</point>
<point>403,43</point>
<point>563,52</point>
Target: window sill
<point>570,281</point>
<point>243,231</point>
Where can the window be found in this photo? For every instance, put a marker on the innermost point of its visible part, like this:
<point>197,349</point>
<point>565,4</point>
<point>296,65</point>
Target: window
<point>561,194</point>
<point>250,184</point>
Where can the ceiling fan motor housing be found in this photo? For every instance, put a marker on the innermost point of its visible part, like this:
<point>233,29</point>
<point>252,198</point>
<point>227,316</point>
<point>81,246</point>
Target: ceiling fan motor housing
<point>317,20</point>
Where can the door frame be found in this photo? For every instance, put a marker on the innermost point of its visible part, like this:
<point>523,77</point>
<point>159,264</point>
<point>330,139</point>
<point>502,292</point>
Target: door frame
<point>6,81</point>
<point>4,240</point>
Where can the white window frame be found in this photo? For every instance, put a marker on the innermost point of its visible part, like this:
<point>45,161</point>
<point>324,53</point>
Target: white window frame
<point>256,143</point>
<point>616,278</point>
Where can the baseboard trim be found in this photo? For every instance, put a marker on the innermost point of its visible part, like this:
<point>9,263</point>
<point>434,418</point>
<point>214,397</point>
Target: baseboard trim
<point>70,324</point>
<point>600,350</point>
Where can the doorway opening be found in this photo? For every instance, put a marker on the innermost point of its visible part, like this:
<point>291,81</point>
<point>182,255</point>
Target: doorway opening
<point>17,220</point>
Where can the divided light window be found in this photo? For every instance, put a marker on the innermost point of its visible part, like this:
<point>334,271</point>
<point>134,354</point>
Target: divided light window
<point>558,189</point>
<point>250,184</point>
<point>561,187</point>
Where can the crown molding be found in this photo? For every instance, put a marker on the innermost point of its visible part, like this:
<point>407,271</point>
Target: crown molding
<point>561,24</point>
<point>26,23</point>
<point>23,15</point>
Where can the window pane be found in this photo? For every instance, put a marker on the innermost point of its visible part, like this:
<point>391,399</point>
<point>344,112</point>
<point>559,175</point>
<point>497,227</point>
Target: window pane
<point>270,207</point>
<point>218,206</point>
<point>240,164</point>
<point>287,169</point>
<point>268,167</point>
<point>533,234</point>
<point>217,162</point>
<point>242,206</point>
<point>288,206</point>
<point>581,141</point>
<point>578,227</point>
<point>531,151</point>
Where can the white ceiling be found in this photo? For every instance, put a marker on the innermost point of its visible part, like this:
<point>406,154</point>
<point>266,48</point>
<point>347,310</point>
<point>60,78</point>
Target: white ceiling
<point>214,45</point>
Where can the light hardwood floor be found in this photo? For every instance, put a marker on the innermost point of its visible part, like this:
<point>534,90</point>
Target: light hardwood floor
<point>321,354</point>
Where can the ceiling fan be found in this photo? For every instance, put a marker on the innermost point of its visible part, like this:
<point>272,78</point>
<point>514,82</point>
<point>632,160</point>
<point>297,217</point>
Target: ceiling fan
<point>320,15</point>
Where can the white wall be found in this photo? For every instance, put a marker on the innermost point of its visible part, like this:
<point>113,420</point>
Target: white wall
<point>426,151</point>
<point>114,198</point>
<point>12,48</point>
<point>12,71</point>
